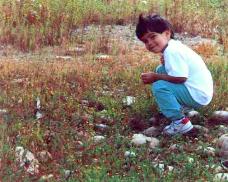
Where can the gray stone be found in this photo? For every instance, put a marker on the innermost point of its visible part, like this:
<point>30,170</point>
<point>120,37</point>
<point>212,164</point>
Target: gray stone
<point>201,128</point>
<point>152,131</point>
<point>44,156</point>
<point>222,145</point>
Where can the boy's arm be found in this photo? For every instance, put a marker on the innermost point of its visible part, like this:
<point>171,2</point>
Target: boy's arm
<point>151,77</point>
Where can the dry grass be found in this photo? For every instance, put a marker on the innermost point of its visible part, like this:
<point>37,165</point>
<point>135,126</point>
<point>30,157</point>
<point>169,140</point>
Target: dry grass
<point>32,25</point>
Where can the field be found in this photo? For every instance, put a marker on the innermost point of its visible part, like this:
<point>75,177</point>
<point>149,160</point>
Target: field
<point>75,81</point>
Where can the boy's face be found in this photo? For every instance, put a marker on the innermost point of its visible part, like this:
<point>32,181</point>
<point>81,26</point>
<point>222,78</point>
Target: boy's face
<point>156,42</point>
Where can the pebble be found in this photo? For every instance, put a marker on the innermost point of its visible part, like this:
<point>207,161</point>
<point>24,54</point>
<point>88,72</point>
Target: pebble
<point>161,167</point>
<point>47,177</point>
<point>44,156</point>
<point>154,143</point>
<point>98,138</point>
<point>65,58</point>
<point>67,173</point>
<point>101,127</point>
<point>140,139</point>
<point>209,151</point>
<point>128,100</point>
<point>175,147</point>
<point>129,154</point>
<point>193,113</point>
<point>3,111</point>
<point>170,168</point>
<point>103,57</point>
<point>190,160</point>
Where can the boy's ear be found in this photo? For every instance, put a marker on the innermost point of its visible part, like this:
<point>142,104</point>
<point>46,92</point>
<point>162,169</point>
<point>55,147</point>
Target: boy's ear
<point>168,33</point>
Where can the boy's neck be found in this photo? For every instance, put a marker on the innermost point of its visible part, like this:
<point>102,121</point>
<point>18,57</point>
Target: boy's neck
<point>165,46</point>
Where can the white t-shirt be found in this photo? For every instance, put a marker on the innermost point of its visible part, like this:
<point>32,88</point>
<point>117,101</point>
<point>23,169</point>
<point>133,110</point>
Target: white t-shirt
<point>181,61</point>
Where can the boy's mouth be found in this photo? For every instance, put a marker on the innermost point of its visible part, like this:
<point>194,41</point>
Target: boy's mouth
<point>152,48</point>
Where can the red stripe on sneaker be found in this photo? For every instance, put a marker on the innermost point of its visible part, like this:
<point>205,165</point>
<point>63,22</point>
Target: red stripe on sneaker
<point>185,120</point>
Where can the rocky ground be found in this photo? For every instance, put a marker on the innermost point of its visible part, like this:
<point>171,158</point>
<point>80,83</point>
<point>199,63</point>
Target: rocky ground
<point>121,33</point>
<point>209,138</point>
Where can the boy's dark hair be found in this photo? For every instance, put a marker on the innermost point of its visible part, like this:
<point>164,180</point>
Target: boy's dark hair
<point>152,23</point>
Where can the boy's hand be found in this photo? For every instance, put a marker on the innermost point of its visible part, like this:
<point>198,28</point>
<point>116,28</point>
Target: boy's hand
<point>150,77</point>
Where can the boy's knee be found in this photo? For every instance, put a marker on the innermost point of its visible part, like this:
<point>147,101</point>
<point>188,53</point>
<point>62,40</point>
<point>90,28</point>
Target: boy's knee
<point>160,69</point>
<point>158,85</point>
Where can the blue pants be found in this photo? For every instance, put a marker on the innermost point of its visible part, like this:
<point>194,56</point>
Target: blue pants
<point>171,97</point>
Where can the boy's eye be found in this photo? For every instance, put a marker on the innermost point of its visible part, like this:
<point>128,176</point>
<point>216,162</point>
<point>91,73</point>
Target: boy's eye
<point>152,36</point>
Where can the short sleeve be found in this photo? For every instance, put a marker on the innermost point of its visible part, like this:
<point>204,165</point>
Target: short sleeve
<point>176,65</point>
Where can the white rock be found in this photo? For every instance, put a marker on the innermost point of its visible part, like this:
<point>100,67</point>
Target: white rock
<point>98,138</point>
<point>209,151</point>
<point>47,177</point>
<point>101,126</point>
<point>144,2</point>
<point>218,169</point>
<point>161,167</point>
<point>193,113</point>
<point>129,154</point>
<point>3,111</point>
<point>190,160</point>
<point>139,139</point>
<point>103,57</point>
<point>170,168</point>
<point>67,173</point>
<point>220,113</point>
<point>38,106</point>
<point>65,58</point>
<point>129,100</point>
<point>221,177</point>
<point>19,80</point>
<point>154,143</point>
<point>39,115</point>
<point>25,156</point>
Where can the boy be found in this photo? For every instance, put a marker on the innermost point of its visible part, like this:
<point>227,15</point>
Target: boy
<point>182,80</point>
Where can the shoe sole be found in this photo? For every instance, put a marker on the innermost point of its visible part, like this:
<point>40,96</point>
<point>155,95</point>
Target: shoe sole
<point>180,132</point>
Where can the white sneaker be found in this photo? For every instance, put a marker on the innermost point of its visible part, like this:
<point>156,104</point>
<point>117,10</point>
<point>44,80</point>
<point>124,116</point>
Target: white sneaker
<point>178,127</point>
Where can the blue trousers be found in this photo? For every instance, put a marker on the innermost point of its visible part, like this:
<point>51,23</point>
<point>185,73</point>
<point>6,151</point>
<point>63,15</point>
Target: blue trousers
<point>172,97</point>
